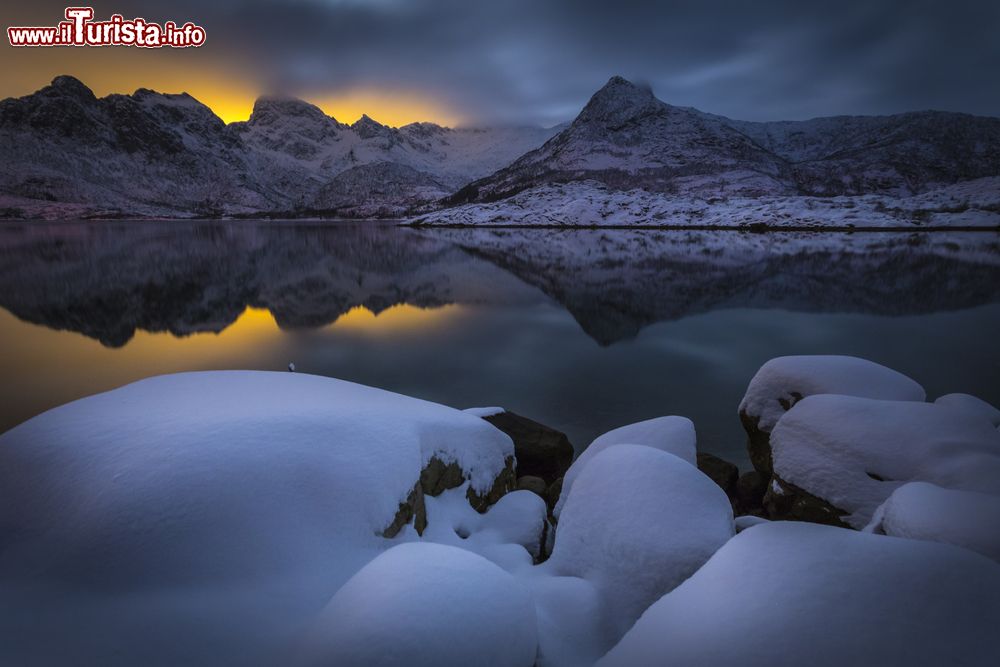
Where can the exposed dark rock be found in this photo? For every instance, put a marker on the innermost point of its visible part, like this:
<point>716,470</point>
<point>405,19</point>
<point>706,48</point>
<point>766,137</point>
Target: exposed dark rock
<point>758,443</point>
<point>720,471</point>
<point>785,501</point>
<point>552,494</point>
<point>504,482</point>
<point>750,490</point>
<point>438,476</point>
<point>413,509</point>
<point>541,451</point>
<point>531,483</point>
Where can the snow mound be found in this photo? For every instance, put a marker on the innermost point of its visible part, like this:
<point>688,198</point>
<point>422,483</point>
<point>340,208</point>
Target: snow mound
<point>239,485</point>
<point>748,521</point>
<point>972,406</point>
<point>672,434</point>
<point>792,593</point>
<point>923,511</point>
<point>427,604</point>
<point>783,381</point>
<point>854,452</point>
<point>638,522</point>
<point>573,628</point>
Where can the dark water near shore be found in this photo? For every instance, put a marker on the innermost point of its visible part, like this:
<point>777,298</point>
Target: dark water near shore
<point>585,330</point>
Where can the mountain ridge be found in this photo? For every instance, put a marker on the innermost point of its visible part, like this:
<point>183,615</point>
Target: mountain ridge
<point>169,155</point>
<point>625,138</point>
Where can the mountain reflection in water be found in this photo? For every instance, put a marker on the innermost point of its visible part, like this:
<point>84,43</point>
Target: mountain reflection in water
<point>470,316</point>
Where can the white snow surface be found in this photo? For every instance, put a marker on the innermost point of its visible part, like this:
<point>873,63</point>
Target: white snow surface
<point>672,434</point>
<point>748,521</point>
<point>427,604</point>
<point>923,511</point>
<point>509,533</point>
<point>805,375</point>
<point>638,522</point>
<point>485,412</point>
<point>243,498</point>
<point>590,203</point>
<point>835,446</point>
<point>790,593</point>
<point>971,405</point>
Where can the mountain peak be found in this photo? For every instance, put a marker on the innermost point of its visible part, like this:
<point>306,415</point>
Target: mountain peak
<point>70,85</point>
<point>367,128</point>
<point>269,109</point>
<point>618,101</point>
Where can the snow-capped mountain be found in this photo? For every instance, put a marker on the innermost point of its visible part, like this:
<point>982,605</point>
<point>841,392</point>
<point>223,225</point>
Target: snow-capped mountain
<point>70,154</point>
<point>625,138</point>
<point>158,154</point>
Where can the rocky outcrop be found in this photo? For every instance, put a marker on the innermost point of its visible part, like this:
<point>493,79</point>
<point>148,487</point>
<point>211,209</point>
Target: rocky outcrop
<point>787,502</point>
<point>750,490</point>
<point>412,510</point>
<point>720,471</point>
<point>541,451</point>
<point>438,477</point>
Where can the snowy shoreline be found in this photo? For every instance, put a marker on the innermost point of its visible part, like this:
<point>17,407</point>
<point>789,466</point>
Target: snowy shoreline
<point>281,518</point>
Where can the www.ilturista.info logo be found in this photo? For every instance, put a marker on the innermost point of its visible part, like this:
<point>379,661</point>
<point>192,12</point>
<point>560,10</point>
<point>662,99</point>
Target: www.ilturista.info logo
<point>80,30</point>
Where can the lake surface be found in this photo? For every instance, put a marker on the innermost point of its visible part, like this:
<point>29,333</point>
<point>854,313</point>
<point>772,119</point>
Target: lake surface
<point>585,330</point>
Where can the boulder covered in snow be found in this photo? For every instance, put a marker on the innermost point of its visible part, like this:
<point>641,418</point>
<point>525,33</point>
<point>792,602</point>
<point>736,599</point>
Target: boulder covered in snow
<point>972,406</point>
<point>672,434</point>
<point>782,382</point>
<point>235,487</point>
<point>789,594</point>
<point>426,604</point>
<point>637,522</point>
<point>852,453</point>
<point>923,511</point>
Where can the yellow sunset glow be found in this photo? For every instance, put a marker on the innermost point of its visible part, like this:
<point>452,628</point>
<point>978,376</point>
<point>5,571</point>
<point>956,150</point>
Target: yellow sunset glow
<point>70,365</point>
<point>401,317</point>
<point>228,93</point>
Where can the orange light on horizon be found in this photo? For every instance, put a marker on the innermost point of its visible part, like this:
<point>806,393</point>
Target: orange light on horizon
<point>394,319</point>
<point>229,94</point>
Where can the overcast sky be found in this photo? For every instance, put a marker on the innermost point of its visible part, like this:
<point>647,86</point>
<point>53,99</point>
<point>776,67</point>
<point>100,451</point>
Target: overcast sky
<point>538,62</point>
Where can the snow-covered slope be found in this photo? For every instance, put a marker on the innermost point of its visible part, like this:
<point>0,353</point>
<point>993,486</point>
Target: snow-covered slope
<point>590,203</point>
<point>169,155</point>
<point>72,154</point>
<point>786,594</point>
<point>626,138</point>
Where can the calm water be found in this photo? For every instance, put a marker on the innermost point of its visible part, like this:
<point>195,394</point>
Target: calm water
<point>583,330</point>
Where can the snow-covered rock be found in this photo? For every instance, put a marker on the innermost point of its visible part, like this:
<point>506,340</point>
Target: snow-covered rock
<point>786,594</point>
<point>971,405</point>
<point>782,382</point>
<point>244,499</point>
<point>427,604</point>
<point>638,522</point>
<point>573,624</point>
<point>853,452</point>
<point>923,511</point>
<point>671,434</point>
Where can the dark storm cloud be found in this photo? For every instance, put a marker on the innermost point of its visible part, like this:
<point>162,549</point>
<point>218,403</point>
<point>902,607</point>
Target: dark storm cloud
<point>518,60</point>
